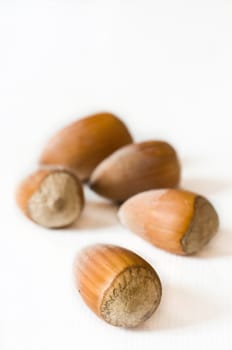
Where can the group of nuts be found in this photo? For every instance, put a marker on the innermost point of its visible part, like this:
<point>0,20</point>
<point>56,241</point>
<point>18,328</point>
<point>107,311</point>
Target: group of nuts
<point>117,284</point>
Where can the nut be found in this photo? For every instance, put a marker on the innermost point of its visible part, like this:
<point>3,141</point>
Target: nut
<point>178,221</point>
<point>136,168</point>
<point>118,285</point>
<point>51,197</point>
<point>85,143</point>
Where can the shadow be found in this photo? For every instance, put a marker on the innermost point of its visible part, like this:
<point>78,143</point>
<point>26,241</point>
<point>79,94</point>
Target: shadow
<point>97,215</point>
<point>219,246</point>
<point>181,308</point>
<point>205,186</point>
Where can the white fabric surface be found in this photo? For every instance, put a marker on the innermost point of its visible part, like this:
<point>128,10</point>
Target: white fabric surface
<point>165,68</point>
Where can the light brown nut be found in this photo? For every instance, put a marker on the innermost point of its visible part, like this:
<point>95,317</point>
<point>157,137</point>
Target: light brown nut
<point>178,221</point>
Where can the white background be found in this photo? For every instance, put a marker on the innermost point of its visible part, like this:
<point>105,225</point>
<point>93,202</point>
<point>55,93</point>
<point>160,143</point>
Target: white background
<point>165,67</point>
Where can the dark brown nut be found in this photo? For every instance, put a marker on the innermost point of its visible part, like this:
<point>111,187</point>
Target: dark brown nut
<point>136,168</point>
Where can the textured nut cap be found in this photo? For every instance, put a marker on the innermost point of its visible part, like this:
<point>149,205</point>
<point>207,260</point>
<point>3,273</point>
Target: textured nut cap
<point>136,168</point>
<point>85,143</point>
<point>117,284</point>
<point>51,197</point>
<point>175,220</point>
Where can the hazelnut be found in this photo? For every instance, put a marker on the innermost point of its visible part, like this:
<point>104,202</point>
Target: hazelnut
<point>178,221</point>
<point>117,284</point>
<point>51,197</point>
<point>83,144</point>
<point>136,168</point>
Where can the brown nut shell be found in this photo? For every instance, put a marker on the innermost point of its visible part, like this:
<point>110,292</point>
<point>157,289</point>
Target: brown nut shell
<point>83,144</point>
<point>136,168</point>
<point>117,284</point>
<point>51,197</point>
<point>178,221</point>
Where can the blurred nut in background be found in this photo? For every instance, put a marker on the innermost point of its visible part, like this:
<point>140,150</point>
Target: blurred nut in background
<point>83,144</point>
<point>136,168</point>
